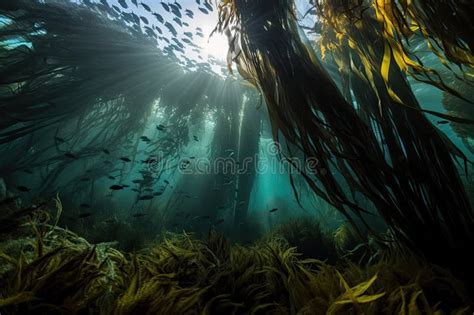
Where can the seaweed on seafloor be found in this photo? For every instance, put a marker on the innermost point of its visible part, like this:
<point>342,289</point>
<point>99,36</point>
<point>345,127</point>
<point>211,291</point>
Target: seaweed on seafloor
<point>184,275</point>
<point>128,235</point>
<point>309,238</point>
<point>65,278</point>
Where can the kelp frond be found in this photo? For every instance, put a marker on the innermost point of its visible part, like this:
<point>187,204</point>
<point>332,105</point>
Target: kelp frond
<point>355,295</point>
<point>403,27</point>
<point>387,152</point>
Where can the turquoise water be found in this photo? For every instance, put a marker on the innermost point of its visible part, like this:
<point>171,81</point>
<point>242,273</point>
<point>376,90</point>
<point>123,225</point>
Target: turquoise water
<point>195,119</point>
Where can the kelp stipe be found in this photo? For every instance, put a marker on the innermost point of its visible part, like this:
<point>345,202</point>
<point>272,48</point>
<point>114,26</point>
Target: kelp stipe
<point>307,108</point>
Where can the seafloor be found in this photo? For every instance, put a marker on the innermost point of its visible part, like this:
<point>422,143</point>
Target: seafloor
<point>46,269</point>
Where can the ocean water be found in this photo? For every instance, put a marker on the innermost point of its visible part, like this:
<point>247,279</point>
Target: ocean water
<point>152,162</point>
<point>193,151</point>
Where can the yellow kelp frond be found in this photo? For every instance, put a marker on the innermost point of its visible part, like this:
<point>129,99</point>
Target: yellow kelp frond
<point>444,24</point>
<point>355,295</point>
<point>401,26</point>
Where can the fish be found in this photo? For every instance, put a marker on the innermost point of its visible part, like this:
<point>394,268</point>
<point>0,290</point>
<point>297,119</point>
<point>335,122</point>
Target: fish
<point>165,39</point>
<point>144,20</point>
<point>137,181</point>
<point>84,215</point>
<point>171,29</point>
<point>148,189</point>
<point>149,161</point>
<point>175,10</point>
<point>135,3</point>
<point>125,159</point>
<point>123,4</point>
<point>125,186</point>
<point>116,187</point>
<point>145,139</point>
<point>178,21</point>
<point>69,155</point>
<point>106,151</point>
<point>85,205</point>
<point>166,182</point>
<point>208,6</point>
<point>111,177</point>
<point>203,10</point>
<point>146,197</point>
<point>116,8</point>
<point>178,48</point>
<point>139,215</point>
<point>160,127</point>
<point>274,210</point>
<point>165,6</point>
<point>158,193</point>
<point>146,7</point>
<point>177,42</point>
<point>159,17</point>
<point>23,188</point>
<point>127,17</point>
<point>443,122</point>
<point>136,18</point>
<point>189,13</point>
<point>187,41</point>
<point>195,138</point>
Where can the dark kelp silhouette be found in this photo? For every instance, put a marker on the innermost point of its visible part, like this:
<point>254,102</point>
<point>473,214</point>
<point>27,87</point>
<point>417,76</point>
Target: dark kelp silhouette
<point>410,178</point>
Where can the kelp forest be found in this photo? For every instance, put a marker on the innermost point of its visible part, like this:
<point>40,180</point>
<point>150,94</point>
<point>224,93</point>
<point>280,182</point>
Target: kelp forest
<point>236,157</point>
